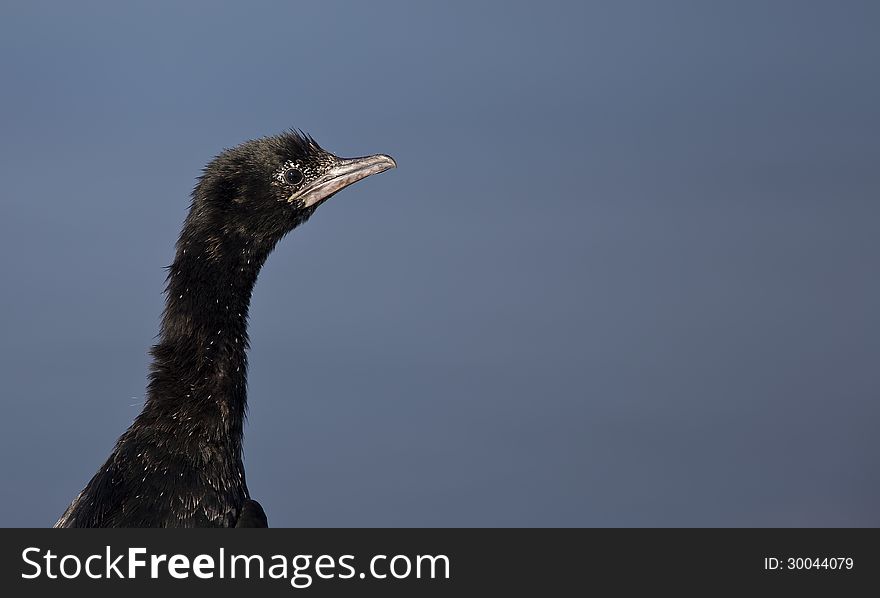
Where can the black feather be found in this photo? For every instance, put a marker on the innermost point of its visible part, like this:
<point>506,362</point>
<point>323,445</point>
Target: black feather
<point>180,463</point>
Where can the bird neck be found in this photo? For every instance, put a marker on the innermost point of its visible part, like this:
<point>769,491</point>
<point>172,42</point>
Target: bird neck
<point>199,370</point>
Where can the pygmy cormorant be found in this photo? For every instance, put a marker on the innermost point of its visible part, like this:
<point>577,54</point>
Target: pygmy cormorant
<point>179,464</point>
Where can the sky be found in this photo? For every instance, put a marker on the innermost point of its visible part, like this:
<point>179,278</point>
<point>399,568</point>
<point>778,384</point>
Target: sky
<point>625,273</point>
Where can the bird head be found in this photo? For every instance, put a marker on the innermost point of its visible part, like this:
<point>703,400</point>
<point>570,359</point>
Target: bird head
<point>260,190</point>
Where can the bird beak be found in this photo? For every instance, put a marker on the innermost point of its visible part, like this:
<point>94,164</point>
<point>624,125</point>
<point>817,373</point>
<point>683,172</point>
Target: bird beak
<point>345,172</point>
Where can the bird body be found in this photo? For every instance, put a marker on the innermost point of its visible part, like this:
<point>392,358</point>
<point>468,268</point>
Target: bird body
<point>180,462</point>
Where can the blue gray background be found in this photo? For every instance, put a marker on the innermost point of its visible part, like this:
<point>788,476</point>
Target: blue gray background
<point>625,274</point>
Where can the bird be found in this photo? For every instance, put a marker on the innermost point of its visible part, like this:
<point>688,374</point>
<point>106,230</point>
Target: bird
<point>179,464</point>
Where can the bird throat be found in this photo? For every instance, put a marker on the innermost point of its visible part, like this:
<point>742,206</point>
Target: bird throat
<point>199,370</point>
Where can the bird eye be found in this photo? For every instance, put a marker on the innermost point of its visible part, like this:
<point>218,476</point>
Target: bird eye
<point>293,176</point>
